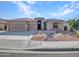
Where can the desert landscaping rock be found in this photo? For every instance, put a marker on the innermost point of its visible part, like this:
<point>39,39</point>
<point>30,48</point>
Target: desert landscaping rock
<point>65,37</point>
<point>55,37</point>
<point>39,37</point>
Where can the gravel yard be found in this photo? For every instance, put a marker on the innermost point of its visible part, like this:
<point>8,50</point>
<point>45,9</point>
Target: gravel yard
<point>55,37</point>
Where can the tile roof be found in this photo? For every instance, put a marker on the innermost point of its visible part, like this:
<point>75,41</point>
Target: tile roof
<point>35,19</point>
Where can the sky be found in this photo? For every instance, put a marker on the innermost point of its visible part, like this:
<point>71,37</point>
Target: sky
<point>47,9</point>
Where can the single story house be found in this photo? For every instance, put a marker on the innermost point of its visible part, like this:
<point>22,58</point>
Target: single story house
<point>3,24</point>
<point>27,24</point>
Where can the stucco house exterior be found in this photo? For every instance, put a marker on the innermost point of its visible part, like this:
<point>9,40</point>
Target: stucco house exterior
<point>27,24</point>
<point>3,24</point>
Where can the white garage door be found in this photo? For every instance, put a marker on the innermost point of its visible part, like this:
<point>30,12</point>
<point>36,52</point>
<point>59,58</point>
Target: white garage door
<point>17,26</point>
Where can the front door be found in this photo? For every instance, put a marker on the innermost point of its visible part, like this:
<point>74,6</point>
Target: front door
<point>65,28</point>
<point>39,25</point>
<point>5,27</point>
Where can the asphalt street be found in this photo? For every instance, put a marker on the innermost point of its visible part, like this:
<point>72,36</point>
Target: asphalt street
<point>25,53</point>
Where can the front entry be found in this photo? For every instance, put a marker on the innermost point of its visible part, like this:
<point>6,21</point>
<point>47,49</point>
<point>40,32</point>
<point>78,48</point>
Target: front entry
<point>39,25</point>
<point>65,28</point>
<point>5,27</point>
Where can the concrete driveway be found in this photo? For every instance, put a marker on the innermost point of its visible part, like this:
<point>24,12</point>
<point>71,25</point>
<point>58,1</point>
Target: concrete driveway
<point>18,33</point>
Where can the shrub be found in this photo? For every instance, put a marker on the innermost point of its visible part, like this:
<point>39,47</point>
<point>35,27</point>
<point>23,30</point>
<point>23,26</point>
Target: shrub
<point>77,34</point>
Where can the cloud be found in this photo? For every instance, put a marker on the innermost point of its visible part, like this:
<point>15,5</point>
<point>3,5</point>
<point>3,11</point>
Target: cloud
<point>77,6</point>
<point>65,6</point>
<point>72,4</point>
<point>31,2</point>
<point>62,13</point>
<point>67,9</point>
<point>25,8</point>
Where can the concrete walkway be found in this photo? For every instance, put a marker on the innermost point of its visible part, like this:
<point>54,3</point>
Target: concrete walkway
<point>15,37</point>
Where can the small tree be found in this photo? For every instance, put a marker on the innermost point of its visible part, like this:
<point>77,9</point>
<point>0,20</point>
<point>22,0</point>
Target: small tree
<point>77,23</point>
<point>71,24</point>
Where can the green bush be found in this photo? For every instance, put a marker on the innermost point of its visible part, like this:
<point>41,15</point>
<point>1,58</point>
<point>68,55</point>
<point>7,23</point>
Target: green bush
<point>77,34</point>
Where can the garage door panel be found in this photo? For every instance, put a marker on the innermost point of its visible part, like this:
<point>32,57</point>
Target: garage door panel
<point>17,26</point>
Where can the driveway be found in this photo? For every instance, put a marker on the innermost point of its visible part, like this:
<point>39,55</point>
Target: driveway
<point>19,33</point>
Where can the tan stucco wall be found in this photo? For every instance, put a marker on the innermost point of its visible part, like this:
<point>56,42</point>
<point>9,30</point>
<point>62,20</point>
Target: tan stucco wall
<point>42,25</point>
<point>2,26</point>
<point>26,26</point>
<point>50,25</point>
<point>61,26</point>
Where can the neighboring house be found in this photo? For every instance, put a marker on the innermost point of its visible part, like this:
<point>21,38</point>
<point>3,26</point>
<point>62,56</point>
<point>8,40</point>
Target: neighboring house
<point>3,24</point>
<point>26,24</point>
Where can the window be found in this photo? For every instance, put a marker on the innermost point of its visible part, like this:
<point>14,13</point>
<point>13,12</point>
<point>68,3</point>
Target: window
<point>55,25</point>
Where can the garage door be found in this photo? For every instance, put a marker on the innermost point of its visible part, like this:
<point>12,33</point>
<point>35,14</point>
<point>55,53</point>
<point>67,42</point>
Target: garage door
<point>17,26</point>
